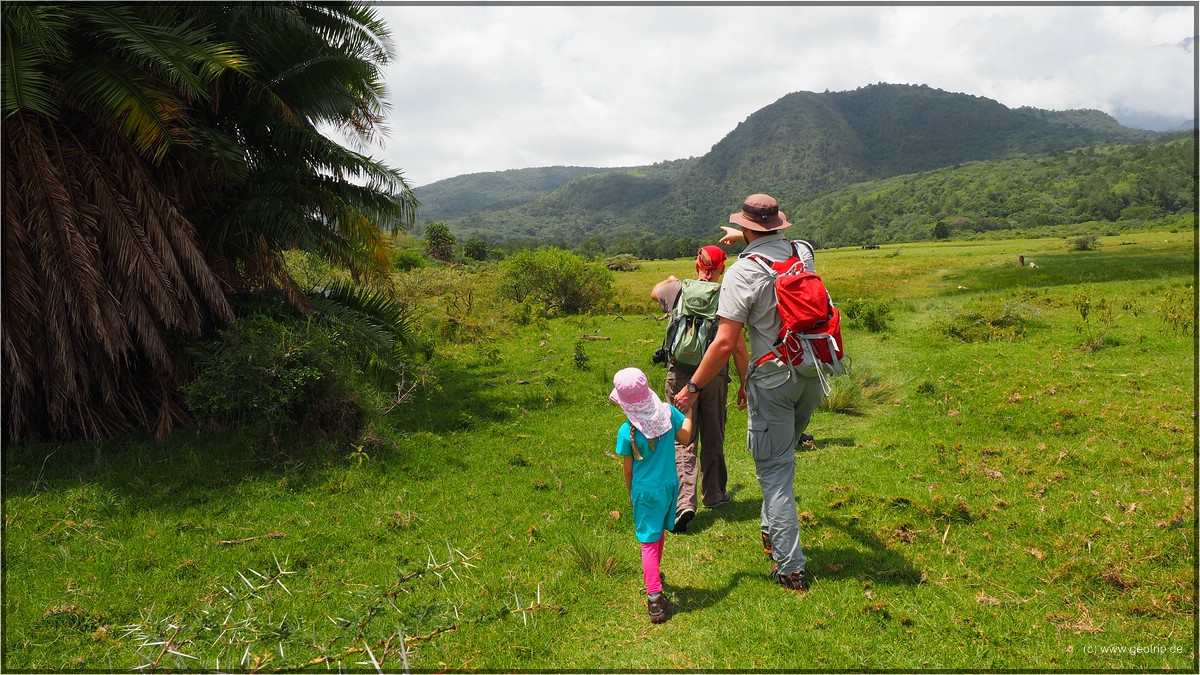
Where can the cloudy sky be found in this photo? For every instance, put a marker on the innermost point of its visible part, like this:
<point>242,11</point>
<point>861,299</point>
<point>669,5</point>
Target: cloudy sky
<point>488,88</point>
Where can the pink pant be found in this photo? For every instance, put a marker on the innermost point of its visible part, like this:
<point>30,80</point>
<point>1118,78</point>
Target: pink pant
<point>651,559</point>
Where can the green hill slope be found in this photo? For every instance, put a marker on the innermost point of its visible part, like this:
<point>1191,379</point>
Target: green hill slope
<point>803,145</point>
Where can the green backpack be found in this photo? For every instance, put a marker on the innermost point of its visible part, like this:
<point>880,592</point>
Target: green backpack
<point>694,324</point>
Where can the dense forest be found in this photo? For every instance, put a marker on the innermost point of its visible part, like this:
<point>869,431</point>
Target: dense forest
<point>1125,185</point>
<point>880,163</point>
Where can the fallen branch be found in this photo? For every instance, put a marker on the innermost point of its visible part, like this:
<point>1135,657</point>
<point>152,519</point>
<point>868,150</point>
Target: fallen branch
<point>269,535</point>
<point>595,337</point>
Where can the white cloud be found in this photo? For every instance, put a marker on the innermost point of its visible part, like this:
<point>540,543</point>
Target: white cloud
<point>487,88</point>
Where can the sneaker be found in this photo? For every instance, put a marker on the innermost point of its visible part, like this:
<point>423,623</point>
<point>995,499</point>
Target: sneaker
<point>796,581</point>
<point>766,541</point>
<point>657,606</point>
<point>682,519</point>
<point>722,502</point>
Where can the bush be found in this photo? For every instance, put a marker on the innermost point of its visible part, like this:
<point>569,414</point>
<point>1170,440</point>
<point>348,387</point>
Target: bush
<point>476,249</point>
<point>1087,242</point>
<point>1005,324</point>
<point>277,374</point>
<point>874,315</point>
<point>624,262</point>
<point>407,259</point>
<point>562,281</point>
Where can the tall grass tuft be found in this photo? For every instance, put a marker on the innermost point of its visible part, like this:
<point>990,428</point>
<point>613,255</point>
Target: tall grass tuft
<point>850,394</point>
<point>596,556</point>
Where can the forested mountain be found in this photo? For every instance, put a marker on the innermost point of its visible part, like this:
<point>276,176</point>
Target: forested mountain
<point>496,190</point>
<point>800,147</point>
<point>1130,183</point>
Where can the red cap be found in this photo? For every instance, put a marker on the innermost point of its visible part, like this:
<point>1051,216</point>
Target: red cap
<point>715,255</point>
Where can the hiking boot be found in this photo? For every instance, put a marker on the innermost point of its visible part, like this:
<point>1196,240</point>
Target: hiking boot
<point>766,541</point>
<point>682,519</point>
<point>796,581</point>
<point>805,439</point>
<point>657,606</point>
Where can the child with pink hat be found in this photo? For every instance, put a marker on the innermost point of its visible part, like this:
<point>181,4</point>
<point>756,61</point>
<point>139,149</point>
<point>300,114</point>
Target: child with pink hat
<point>647,443</point>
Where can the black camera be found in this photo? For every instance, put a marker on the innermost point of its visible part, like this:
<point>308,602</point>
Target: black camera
<point>661,356</point>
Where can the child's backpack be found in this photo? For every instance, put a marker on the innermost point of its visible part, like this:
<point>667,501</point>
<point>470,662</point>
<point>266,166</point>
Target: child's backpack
<point>693,322</point>
<point>810,337</point>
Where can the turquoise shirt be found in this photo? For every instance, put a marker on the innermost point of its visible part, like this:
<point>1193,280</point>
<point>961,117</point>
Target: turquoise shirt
<point>656,467</point>
<point>654,488</point>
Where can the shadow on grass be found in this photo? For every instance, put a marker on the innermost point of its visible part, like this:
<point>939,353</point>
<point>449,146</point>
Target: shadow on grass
<point>692,599</point>
<point>872,560</point>
<point>468,394</point>
<point>819,443</point>
<point>739,510</point>
<point>195,465</point>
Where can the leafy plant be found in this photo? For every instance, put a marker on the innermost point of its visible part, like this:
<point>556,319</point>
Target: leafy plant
<point>274,374</point>
<point>874,315</point>
<point>1178,307</point>
<point>439,241</point>
<point>407,259</point>
<point>581,357</point>
<point>1089,308</point>
<point>562,281</point>
<point>1087,242</point>
<point>476,249</point>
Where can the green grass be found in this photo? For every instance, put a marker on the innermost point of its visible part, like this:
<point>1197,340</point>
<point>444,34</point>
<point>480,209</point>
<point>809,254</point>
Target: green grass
<point>1021,499</point>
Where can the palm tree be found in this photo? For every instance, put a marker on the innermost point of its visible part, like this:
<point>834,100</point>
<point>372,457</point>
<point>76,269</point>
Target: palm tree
<point>157,157</point>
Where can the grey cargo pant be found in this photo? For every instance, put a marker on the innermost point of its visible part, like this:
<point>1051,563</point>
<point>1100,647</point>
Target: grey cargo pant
<point>778,413</point>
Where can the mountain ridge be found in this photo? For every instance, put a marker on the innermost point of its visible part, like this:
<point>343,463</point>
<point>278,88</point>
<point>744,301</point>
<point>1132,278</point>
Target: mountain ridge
<point>802,145</point>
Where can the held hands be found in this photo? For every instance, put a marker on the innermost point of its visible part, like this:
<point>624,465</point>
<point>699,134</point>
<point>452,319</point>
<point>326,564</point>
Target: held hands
<point>684,400</point>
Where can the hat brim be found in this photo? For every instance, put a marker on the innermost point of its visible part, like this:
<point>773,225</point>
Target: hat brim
<point>777,223</point>
<point>651,415</point>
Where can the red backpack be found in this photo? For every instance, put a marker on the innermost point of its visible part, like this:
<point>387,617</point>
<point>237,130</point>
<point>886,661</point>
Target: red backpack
<point>810,337</point>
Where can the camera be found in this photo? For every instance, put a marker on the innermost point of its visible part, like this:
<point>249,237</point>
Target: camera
<point>661,356</point>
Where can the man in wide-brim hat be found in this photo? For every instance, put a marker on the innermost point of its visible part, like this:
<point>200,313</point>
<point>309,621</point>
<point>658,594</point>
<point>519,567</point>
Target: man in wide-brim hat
<point>780,401</point>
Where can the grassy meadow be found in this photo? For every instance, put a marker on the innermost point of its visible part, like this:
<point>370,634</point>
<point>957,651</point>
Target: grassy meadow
<point>1006,481</point>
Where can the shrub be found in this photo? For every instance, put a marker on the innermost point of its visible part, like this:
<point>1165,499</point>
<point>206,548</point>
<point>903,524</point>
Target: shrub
<point>277,374</point>
<point>562,281</point>
<point>1007,323</point>
<point>625,262</point>
<point>476,249</point>
<point>1178,307</point>
<point>407,259</point>
<point>439,241</point>
<point>1087,242</point>
<point>874,315</point>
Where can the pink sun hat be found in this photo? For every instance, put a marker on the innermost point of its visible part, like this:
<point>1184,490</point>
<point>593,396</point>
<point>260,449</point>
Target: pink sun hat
<point>646,412</point>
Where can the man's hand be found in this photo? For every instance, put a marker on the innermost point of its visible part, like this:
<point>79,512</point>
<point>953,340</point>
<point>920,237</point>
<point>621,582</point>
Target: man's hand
<point>732,236</point>
<point>741,398</point>
<point>684,400</point>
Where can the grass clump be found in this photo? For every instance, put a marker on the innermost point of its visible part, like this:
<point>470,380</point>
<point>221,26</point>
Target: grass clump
<point>1004,323</point>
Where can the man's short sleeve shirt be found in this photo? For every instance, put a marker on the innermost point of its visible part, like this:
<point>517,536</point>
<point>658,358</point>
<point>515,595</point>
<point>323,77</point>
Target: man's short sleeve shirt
<point>748,294</point>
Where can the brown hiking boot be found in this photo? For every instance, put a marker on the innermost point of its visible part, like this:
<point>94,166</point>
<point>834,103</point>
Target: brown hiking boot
<point>657,606</point>
<point>796,581</point>
<point>766,541</point>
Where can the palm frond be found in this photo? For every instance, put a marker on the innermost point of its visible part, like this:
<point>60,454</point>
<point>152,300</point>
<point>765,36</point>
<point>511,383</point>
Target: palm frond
<point>381,329</point>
